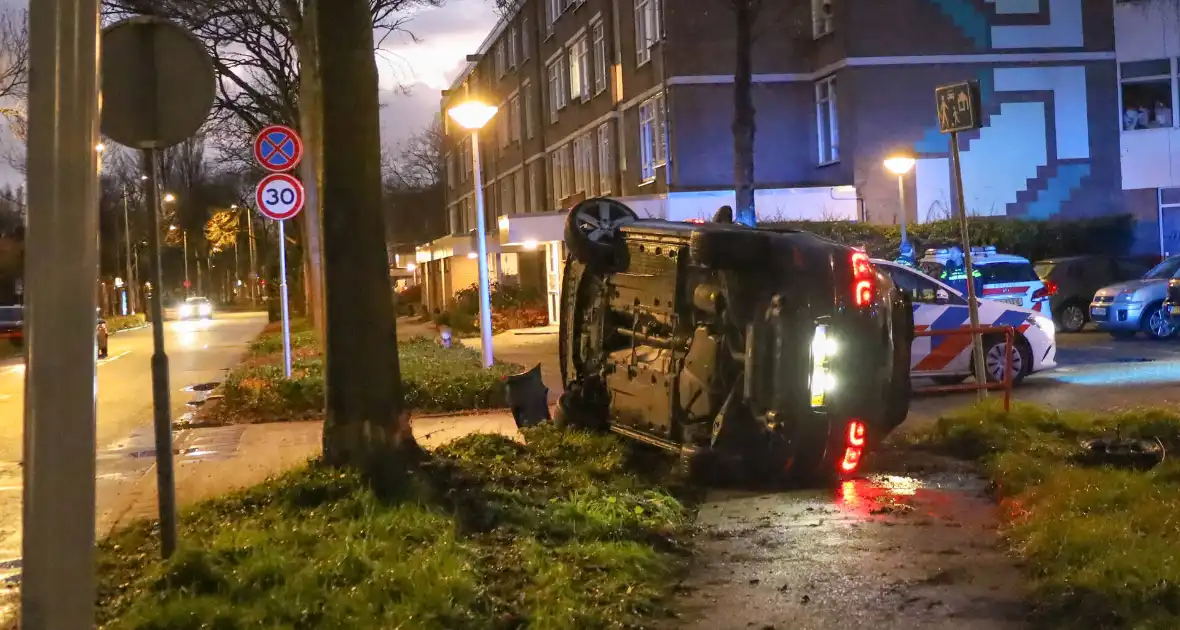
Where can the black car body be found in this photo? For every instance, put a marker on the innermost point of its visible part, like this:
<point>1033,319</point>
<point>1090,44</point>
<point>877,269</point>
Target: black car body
<point>780,348</point>
<point>1078,278</point>
<point>12,328</point>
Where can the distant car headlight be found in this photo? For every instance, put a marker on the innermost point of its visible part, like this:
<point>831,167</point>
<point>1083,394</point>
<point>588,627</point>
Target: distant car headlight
<point>186,310</point>
<point>1044,323</point>
<point>206,309</point>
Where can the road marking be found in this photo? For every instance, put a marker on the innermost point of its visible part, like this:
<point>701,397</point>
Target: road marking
<point>112,358</point>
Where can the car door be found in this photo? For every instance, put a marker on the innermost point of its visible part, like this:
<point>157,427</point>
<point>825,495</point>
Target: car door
<point>935,308</point>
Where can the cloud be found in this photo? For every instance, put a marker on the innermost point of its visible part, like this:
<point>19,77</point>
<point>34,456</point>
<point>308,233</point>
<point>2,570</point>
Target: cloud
<point>434,50</point>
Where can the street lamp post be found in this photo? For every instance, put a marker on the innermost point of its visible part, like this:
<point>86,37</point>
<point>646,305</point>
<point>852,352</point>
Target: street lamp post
<point>473,115</point>
<point>901,165</point>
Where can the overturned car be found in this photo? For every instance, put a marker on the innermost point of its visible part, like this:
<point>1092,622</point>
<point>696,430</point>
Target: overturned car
<point>776,349</point>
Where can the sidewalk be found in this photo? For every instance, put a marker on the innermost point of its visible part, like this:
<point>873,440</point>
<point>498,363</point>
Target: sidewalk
<point>218,460</point>
<point>528,347</point>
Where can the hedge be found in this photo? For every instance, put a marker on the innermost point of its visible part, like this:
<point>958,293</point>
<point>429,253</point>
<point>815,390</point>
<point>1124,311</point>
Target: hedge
<point>116,323</point>
<point>1032,239</point>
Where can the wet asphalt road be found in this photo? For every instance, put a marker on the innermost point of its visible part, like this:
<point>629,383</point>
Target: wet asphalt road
<point>198,352</point>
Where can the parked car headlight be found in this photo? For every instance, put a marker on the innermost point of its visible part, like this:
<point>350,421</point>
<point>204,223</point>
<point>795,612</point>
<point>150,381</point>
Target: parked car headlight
<point>1126,296</point>
<point>186,310</point>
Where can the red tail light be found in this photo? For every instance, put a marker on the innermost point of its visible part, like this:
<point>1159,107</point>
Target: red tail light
<point>1040,295</point>
<point>694,220</point>
<point>854,447</point>
<point>862,279</point>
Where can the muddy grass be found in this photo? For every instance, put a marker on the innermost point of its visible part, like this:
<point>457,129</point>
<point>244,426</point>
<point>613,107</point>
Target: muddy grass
<point>1100,542</point>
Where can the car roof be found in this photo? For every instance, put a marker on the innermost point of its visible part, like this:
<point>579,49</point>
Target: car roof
<point>983,302</point>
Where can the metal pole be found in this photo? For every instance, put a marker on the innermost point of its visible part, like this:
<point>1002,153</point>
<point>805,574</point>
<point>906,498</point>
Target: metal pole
<point>485,293</point>
<point>58,581</point>
<point>184,238</point>
<point>161,396</point>
<point>130,284</point>
<point>283,297</point>
<point>972,301</point>
<point>904,210</point>
<point>253,268</point>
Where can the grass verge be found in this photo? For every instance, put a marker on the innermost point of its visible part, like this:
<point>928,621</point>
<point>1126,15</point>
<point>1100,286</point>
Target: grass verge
<point>434,379</point>
<point>492,534</point>
<point>115,323</point>
<point>1100,542</point>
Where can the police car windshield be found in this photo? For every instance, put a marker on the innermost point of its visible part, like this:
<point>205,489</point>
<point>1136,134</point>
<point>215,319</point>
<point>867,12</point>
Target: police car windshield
<point>1164,270</point>
<point>995,273</point>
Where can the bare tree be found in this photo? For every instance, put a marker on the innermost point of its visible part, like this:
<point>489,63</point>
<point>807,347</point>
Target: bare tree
<point>418,162</point>
<point>14,79</point>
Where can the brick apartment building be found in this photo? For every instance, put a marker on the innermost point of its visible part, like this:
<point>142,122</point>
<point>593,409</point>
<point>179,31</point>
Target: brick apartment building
<point>634,99</point>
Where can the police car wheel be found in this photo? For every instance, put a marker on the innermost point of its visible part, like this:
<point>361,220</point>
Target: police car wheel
<point>994,350</point>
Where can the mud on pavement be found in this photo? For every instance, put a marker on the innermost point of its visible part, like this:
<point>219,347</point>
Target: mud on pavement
<point>913,544</point>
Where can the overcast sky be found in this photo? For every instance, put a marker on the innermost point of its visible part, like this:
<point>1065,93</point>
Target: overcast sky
<point>444,37</point>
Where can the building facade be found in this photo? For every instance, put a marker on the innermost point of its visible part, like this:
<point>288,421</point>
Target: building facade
<point>634,99</point>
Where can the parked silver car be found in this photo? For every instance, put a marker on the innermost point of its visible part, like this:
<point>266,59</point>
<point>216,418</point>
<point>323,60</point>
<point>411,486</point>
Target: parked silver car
<point>1129,307</point>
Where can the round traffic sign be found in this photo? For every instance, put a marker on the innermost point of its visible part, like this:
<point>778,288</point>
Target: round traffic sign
<point>279,196</point>
<point>277,148</point>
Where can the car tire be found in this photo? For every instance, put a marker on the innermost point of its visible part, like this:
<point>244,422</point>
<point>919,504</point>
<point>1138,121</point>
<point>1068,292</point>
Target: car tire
<point>573,411</point>
<point>993,352</point>
<point>592,232</point>
<point>1156,324</point>
<point>1071,318</point>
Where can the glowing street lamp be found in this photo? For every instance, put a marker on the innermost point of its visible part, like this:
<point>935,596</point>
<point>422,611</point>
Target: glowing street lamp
<point>472,116</point>
<point>901,165</point>
<point>169,198</point>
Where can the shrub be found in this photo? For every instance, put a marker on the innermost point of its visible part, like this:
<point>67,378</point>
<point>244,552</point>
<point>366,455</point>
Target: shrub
<point>116,323</point>
<point>409,300</point>
<point>1032,239</point>
<point>434,380</point>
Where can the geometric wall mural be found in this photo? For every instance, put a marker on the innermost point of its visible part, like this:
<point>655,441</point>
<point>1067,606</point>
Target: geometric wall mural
<point>1033,152</point>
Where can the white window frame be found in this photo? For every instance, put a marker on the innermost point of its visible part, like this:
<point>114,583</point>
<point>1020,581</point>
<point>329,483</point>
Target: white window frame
<point>598,33</point>
<point>530,110</point>
<point>652,143</point>
<point>605,159</point>
<point>531,167</point>
<point>567,173</point>
<point>581,170</point>
<point>1171,78</point>
<point>514,119</point>
<point>645,30</point>
<point>502,122</point>
<point>512,44</point>
<point>526,39</point>
<point>821,24</point>
<point>501,65</point>
<point>579,63</point>
<point>518,192</point>
<point>552,12</point>
<point>827,135</point>
<point>556,90</point>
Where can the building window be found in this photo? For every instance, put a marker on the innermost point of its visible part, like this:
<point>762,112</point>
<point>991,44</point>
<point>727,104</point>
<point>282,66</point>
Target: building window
<point>645,29</point>
<point>557,176</point>
<point>512,44</point>
<point>556,92</point>
<point>605,171</point>
<point>552,11</point>
<point>600,65</point>
<point>526,39</point>
<point>827,126</point>
<point>466,157</point>
<point>581,168</point>
<point>1146,88</point>
<point>502,122</point>
<point>567,169</point>
<point>450,170</point>
<point>530,110</point>
<point>533,198</point>
<point>500,61</point>
<point>652,142</point>
<point>579,57</point>
<point>821,18</point>
<point>514,119</point>
<point>518,192</point>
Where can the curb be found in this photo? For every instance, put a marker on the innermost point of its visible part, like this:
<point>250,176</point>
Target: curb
<point>123,330</point>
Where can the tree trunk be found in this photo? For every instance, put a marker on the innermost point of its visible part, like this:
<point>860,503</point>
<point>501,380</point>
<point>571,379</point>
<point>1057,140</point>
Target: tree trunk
<point>310,169</point>
<point>743,116</point>
<point>364,425</point>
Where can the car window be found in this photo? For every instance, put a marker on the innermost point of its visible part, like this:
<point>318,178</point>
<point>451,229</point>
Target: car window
<point>1130,269</point>
<point>1164,270</point>
<point>933,269</point>
<point>1045,269</point>
<point>918,287</point>
<point>996,273</point>
<point>11,313</point>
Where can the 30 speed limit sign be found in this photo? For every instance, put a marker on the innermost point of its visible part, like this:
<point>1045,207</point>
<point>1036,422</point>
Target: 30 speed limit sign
<point>279,196</point>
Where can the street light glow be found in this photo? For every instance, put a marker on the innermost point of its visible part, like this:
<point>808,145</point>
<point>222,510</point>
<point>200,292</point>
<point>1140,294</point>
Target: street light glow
<point>169,198</point>
<point>472,115</point>
<point>100,147</point>
<point>171,228</point>
<point>899,164</point>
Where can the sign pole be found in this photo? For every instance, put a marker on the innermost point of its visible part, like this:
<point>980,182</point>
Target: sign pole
<point>283,299</point>
<point>958,108</point>
<point>964,236</point>
<point>57,581</point>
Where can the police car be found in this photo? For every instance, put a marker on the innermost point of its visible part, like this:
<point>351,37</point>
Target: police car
<point>1000,277</point>
<point>938,306</point>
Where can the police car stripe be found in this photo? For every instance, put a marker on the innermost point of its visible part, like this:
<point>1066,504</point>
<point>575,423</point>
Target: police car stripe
<point>1010,318</point>
<point>953,317</point>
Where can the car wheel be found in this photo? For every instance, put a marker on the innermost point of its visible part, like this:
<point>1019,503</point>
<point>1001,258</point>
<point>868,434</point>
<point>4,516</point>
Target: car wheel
<point>1071,318</point>
<point>1157,325</point>
<point>592,231</point>
<point>994,350</point>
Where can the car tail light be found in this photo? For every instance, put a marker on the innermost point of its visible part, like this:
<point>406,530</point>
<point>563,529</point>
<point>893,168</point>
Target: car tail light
<point>694,220</point>
<point>1048,291</point>
<point>854,447</point>
<point>862,279</point>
